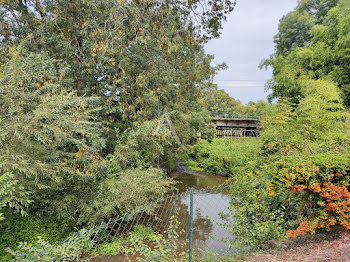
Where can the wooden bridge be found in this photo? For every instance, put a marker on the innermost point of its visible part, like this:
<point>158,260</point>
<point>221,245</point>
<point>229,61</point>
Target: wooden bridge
<point>236,127</point>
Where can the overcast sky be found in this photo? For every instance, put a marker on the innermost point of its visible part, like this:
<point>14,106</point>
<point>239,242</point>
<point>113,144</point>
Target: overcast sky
<point>247,38</point>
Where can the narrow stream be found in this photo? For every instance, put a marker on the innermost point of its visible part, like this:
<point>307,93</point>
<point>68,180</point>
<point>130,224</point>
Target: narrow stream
<point>209,203</point>
<point>197,180</point>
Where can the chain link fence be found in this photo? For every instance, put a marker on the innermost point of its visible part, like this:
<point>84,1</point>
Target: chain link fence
<point>165,230</point>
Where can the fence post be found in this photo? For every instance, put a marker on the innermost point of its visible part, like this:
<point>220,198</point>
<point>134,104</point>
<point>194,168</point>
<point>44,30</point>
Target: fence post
<point>191,226</point>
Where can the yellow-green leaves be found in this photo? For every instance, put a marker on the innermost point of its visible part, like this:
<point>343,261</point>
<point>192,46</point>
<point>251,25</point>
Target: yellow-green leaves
<point>313,42</point>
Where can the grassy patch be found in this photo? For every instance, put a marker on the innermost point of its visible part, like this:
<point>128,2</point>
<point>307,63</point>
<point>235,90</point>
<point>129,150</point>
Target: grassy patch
<point>224,156</point>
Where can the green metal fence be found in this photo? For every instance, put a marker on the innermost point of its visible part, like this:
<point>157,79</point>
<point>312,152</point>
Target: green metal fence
<point>179,227</point>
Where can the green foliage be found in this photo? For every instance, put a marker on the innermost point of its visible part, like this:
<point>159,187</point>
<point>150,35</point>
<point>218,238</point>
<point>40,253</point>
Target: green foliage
<point>258,218</point>
<point>142,242</point>
<point>167,247</point>
<point>323,54</point>
<point>294,28</point>
<point>131,180</point>
<point>143,233</point>
<point>257,109</point>
<point>72,249</point>
<point>218,100</point>
<point>126,190</point>
<point>145,146</point>
<point>225,157</point>
<point>53,145</point>
<point>316,125</point>
<point>52,135</point>
<point>17,228</point>
<point>96,97</point>
<point>10,193</point>
<point>294,31</point>
<point>148,59</point>
<point>299,183</point>
<point>113,248</point>
<point>242,159</point>
<point>193,165</point>
<point>220,104</point>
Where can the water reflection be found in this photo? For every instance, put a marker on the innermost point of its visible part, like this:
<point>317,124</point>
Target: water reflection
<point>201,180</point>
<point>209,204</point>
<point>208,233</point>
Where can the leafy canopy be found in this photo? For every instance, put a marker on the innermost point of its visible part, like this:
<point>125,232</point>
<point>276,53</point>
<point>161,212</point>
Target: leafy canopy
<point>323,54</point>
<point>97,97</point>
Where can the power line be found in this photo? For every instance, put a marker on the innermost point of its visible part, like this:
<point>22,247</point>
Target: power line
<point>245,80</point>
<point>226,87</point>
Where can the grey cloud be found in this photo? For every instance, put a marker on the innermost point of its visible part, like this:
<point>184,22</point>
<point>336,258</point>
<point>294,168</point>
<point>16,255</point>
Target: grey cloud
<point>247,38</point>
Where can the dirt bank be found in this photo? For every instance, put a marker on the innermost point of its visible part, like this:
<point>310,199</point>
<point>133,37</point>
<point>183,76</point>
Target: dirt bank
<point>332,247</point>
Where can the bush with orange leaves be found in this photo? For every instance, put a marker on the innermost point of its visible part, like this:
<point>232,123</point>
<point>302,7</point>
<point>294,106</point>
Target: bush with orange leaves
<point>299,184</point>
<point>309,146</point>
<point>319,188</point>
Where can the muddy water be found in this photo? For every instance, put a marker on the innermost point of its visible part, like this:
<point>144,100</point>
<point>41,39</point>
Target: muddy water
<point>209,203</point>
<point>198,180</point>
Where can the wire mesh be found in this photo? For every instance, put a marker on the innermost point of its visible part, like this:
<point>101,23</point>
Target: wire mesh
<point>152,233</point>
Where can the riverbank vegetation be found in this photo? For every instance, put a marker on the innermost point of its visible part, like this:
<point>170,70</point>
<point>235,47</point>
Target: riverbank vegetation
<point>298,182</point>
<point>96,100</point>
<point>225,157</point>
<point>294,179</point>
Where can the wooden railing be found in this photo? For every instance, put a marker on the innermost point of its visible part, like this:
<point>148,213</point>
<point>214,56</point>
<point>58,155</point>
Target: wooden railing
<point>239,132</point>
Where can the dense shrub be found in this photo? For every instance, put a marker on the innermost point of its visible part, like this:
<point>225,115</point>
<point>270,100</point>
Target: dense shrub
<point>89,120</point>
<point>142,241</point>
<point>52,158</point>
<point>319,187</point>
<point>225,157</point>
<point>16,228</point>
<point>300,182</point>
